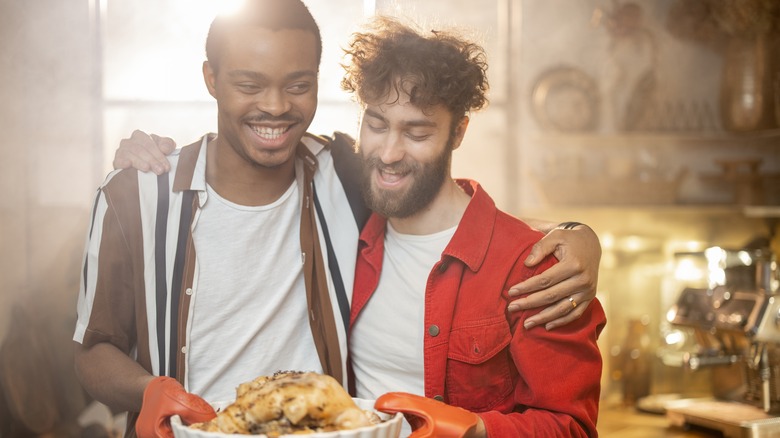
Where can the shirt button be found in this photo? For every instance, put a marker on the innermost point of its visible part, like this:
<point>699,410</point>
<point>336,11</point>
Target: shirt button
<point>443,267</point>
<point>188,291</point>
<point>438,398</point>
<point>433,330</point>
<point>184,349</point>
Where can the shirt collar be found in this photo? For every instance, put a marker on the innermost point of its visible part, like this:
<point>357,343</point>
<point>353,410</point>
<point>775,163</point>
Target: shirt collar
<point>191,167</point>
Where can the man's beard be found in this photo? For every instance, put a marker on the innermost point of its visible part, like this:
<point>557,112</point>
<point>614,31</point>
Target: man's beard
<point>427,181</point>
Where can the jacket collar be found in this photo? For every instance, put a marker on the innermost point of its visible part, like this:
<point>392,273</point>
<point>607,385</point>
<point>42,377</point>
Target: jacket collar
<point>470,242</point>
<point>472,238</point>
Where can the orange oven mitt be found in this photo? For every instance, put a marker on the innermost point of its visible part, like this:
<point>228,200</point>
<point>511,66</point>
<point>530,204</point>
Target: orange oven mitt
<point>164,397</point>
<point>429,418</point>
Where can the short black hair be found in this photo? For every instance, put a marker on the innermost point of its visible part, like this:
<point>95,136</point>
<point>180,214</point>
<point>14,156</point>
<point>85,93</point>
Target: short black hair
<point>269,14</point>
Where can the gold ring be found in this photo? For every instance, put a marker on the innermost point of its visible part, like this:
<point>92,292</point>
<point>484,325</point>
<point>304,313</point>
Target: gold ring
<point>573,303</point>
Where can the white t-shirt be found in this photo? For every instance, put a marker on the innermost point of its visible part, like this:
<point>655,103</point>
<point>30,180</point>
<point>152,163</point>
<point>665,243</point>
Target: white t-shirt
<point>387,340</point>
<point>250,311</point>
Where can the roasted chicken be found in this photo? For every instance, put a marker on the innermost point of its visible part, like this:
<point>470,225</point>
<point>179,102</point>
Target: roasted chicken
<point>289,403</point>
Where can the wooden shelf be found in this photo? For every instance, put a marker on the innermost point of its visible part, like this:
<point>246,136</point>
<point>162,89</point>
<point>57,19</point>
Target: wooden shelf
<point>762,211</point>
<point>767,138</point>
<point>752,211</point>
<point>611,191</point>
<point>683,135</point>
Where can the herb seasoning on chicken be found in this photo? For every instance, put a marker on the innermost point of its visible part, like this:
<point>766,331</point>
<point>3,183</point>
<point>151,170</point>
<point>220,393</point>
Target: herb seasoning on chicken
<point>289,402</point>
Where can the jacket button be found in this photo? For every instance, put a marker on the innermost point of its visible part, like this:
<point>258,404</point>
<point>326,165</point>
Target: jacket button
<point>433,330</point>
<point>188,291</point>
<point>443,267</point>
<point>438,398</point>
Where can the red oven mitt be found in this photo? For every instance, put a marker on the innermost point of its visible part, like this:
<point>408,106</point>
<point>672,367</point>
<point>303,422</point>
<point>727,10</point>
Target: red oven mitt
<point>164,397</point>
<point>429,418</point>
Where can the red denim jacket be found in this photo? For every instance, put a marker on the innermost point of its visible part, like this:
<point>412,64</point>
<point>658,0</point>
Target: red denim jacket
<point>477,354</point>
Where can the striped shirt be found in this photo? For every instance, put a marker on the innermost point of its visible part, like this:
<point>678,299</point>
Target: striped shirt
<point>140,263</point>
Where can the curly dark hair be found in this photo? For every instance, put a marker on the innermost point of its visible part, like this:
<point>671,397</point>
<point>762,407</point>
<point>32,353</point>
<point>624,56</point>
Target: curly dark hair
<point>432,68</point>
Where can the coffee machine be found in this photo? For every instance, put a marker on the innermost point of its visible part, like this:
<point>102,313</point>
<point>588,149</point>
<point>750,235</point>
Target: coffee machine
<point>736,325</point>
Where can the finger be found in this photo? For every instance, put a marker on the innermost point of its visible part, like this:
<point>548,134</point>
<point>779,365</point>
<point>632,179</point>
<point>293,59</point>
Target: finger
<point>569,317</point>
<point>557,315</point>
<point>131,152</point>
<point>165,144</point>
<point>144,161</point>
<point>548,297</point>
<point>126,155</point>
<point>121,163</point>
<point>142,150</point>
<point>555,311</point>
<point>540,250</point>
<point>125,159</point>
<point>550,277</point>
<point>146,152</point>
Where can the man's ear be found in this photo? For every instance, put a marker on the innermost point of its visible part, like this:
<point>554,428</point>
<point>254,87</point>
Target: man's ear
<point>210,78</point>
<point>460,131</point>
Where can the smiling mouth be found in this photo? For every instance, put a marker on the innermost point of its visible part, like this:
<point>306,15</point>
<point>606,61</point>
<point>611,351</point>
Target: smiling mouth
<point>390,176</point>
<point>269,133</point>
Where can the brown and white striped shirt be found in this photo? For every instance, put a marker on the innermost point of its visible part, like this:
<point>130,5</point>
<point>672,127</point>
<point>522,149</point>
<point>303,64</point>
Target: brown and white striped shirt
<point>140,263</point>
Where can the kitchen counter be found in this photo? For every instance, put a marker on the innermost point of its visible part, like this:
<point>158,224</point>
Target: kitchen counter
<point>630,423</point>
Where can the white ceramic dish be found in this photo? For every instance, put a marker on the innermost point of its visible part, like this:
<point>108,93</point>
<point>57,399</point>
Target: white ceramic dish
<point>389,428</point>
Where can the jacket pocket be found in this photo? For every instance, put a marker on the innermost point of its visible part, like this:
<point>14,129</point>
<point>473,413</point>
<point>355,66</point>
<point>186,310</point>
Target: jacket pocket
<point>479,366</point>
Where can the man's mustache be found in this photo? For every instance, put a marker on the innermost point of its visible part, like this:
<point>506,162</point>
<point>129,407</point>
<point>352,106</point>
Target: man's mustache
<point>268,118</point>
<point>398,167</point>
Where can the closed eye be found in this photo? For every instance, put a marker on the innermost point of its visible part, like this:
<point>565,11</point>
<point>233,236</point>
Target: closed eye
<point>421,137</point>
<point>299,88</point>
<point>248,87</point>
<point>376,128</point>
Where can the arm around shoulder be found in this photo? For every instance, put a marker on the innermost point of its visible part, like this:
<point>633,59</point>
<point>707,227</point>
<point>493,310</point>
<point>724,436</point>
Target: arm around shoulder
<point>571,282</point>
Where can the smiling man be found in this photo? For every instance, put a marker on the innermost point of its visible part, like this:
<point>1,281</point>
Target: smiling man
<point>241,260</point>
<point>437,261</point>
<point>219,272</point>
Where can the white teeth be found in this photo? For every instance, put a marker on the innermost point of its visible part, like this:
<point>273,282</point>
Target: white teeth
<point>268,133</point>
<point>391,175</point>
<point>390,171</point>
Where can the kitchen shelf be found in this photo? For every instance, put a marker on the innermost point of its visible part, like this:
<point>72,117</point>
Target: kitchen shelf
<point>611,191</point>
<point>697,210</point>
<point>765,138</point>
<point>637,169</point>
<point>762,211</point>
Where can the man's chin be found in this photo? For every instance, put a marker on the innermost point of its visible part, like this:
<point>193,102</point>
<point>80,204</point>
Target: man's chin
<point>388,206</point>
<point>272,159</point>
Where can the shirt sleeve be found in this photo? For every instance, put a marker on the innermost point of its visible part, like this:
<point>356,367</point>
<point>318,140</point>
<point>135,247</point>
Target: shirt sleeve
<point>106,303</point>
<point>558,387</point>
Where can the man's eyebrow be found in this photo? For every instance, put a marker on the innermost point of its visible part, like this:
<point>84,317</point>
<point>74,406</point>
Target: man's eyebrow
<point>407,123</point>
<point>257,76</point>
<point>374,114</point>
<point>420,123</point>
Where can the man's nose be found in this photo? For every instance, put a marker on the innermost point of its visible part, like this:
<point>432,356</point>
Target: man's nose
<point>392,149</point>
<point>273,102</point>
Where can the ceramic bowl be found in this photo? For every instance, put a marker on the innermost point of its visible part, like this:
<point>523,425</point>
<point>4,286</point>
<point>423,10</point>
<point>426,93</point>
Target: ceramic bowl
<point>390,427</point>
